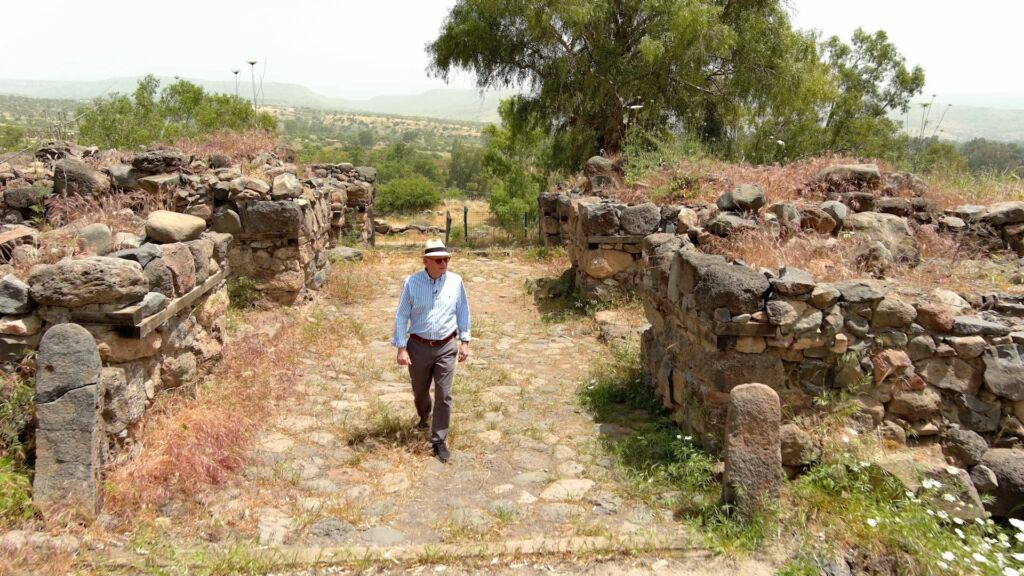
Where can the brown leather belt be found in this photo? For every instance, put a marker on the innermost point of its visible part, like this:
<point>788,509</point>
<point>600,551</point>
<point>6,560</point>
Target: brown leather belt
<point>433,343</point>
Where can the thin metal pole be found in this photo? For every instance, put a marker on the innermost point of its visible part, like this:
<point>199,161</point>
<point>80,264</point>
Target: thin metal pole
<point>447,226</point>
<point>465,223</point>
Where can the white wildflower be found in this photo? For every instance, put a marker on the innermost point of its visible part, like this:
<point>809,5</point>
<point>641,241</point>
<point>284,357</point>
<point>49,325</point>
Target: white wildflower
<point>1010,572</point>
<point>1018,556</point>
<point>948,556</point>
<point>872,522</point>
<point>979,558</point>
<point>952,470</point>
<point>688,438</point>
<point>1019,536</point>
<point>1017,523</point>
<point>959,533</point>
<point>942,565</point>
<point>949,497</point>
<point>958,521</point>
<point>942,515</point>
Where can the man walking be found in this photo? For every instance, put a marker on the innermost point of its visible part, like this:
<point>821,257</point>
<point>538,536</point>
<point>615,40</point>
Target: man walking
<point>431,332</point>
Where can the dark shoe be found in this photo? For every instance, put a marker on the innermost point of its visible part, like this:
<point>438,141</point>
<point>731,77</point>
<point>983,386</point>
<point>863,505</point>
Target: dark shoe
<point>441,451</point>
<point>423,424</point>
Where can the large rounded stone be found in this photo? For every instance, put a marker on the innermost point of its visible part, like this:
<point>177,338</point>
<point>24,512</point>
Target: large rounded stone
<point>640,220</point>
<point>892,231</point>
<point>726,224</point>
<point>743,198</point>
<point>738,288</point>
<point>916,406</point>
<point>286,186</point>
<point>849,176</point>
<point>950,374</point>
<point>935,317</point>
<point>603,264</point>
<point>72,176</point>
<point>67,360</point>
<point>97,280</point>
<point>599,219</point>
<point>96,238</point>
<point>1008,466</point>
<point>22,197</point>
<point>14,295</point>
<point>893,313</point>
<point>1004,370</point>
<point>164,227</point>
<point>798,448</point>
<point>160,160</point>
<point>964,447</point>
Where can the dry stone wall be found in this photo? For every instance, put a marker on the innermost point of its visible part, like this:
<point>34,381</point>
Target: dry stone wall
<point>603,235</point>
<point>283,221</point>
<point>922,365</point>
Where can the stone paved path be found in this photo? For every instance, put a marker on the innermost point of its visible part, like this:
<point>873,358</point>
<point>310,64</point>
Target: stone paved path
<point>342,466</point>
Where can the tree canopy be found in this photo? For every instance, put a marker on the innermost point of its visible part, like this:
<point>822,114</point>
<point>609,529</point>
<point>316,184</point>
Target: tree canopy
<point>148,115</point>
<point>733,74</point>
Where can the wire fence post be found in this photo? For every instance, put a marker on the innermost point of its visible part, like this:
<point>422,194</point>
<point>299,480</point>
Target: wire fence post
<point>447,226</point>
<point>465,223</point>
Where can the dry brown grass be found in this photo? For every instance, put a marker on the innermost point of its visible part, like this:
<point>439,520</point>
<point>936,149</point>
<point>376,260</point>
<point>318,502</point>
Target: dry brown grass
<point>109,209</point>
<point>236,145</point>
<point>703,179</point>
<point>197,441</point>
<point>956,190</point>
<point>945,262</point>
<point>36,562</point>
<point>827,259</point>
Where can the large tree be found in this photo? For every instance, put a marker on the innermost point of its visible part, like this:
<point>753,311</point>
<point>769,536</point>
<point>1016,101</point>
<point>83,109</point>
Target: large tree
<point>732,74</point>
<point>592,69</point>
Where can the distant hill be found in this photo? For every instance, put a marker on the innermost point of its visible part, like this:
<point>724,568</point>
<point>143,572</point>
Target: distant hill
<point>446,104</point>
<point>996,116</point>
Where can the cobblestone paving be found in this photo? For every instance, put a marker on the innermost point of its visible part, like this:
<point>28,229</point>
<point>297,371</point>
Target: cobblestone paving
<point>343,466</point>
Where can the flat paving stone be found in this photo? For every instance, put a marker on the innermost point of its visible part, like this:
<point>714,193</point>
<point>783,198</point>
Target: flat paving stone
<point>383,536</point>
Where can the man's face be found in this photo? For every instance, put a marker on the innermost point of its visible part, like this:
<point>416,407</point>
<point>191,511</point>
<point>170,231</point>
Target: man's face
<point>436,266</point>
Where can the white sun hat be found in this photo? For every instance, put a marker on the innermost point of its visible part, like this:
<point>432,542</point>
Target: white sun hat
<point>435,249</point>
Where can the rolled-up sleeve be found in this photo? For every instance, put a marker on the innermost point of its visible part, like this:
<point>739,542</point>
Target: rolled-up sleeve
<point>401,335</point>
<point>462,314</point>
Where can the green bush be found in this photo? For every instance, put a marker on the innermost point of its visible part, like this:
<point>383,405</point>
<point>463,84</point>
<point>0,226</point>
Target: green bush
<point>15,491</point>
<point>407,195</point>
<point>243,293</point>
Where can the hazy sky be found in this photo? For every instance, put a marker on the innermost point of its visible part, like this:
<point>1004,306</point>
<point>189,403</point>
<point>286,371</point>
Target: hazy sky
<point>361,48</point>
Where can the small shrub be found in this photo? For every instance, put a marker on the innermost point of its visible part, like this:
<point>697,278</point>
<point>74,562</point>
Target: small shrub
<point>407,195</point>
<point>243,293</point>
<point>15,490</point>
<point>16,409</point>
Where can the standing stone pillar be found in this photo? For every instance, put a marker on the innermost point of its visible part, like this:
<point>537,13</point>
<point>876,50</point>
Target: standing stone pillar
<point>70,434</point>
<point>753,449</point>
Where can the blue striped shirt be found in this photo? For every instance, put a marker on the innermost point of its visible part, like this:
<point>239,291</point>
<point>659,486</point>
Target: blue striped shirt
<point>432,309</point>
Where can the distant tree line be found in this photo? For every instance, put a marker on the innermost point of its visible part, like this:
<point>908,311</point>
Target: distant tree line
<point>149,115</point>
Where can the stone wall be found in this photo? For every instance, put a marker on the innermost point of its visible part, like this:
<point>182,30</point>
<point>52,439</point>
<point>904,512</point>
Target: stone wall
<point>920,363</point>
<point>152,318</point>
<point>352,194</point>
<point>282,223</point>
<point>604,241</point>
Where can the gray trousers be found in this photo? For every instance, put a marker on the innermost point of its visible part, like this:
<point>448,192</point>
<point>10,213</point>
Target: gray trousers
<point>434,364</point>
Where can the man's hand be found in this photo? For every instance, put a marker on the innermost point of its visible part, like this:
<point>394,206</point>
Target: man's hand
<point>464,352</point>
<point>403,357</point>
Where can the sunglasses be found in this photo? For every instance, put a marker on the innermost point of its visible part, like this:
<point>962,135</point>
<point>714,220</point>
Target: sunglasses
<point>445,259</point>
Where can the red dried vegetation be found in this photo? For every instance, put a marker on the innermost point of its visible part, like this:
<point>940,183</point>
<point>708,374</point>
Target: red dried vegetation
<point>704,179</point>
<point>236,145</point>
<point>195,442</point>
<point>827,259</point>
